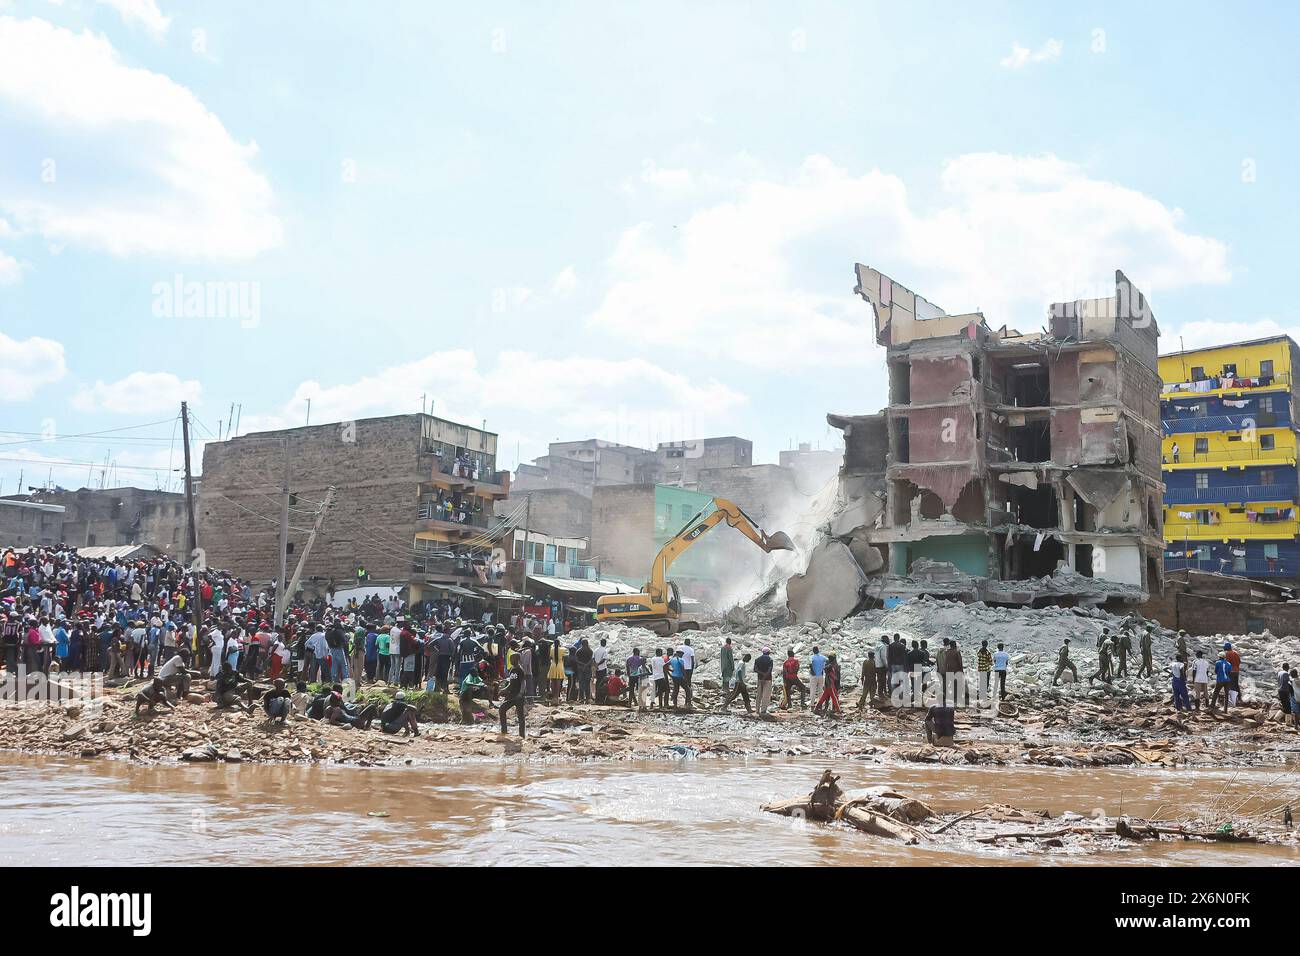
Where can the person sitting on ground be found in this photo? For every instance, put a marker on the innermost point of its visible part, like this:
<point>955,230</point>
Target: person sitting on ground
<point>230,686</point>
<point>940,726</point>
<point>154,693</point>
<point>614,687</point>
<point>399,715</point>
<point>337,713</point>
<point>278,702</point>
<point>301,699</point>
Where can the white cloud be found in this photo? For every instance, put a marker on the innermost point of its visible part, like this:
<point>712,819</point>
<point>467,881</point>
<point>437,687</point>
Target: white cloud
<point>1021,56</point>
<point>143,12</point>
<point>10,270</point>
<point>630,400</point>
<point>565,283</point>
<point>139,392</point>
<point>763,275</point>
<point>169,179</point>
<point>28,364</point>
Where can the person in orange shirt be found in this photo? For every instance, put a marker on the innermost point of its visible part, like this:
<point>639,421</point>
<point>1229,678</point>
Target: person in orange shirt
<point>1235,660</point>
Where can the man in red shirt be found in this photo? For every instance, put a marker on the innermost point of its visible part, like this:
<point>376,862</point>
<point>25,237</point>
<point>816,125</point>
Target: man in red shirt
<point>614,686</point>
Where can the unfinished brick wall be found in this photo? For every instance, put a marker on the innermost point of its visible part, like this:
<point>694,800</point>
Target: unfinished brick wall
<point>376,469</point>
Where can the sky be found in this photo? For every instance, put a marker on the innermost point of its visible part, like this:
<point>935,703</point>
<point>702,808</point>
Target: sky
<point>629,221</point>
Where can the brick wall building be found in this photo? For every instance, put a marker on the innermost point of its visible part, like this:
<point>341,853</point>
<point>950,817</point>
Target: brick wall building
<point>112,517</point>
<point>413,495</point>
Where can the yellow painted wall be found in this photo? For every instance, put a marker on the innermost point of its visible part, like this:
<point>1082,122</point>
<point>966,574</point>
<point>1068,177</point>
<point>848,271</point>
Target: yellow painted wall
<point>1178,368</point>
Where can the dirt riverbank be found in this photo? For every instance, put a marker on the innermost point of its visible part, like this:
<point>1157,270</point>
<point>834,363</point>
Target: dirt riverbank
<point>1037,731</point>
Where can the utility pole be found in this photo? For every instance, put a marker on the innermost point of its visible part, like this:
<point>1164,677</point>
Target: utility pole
<point>528,515</point>
<point>302,561</point>
<point>281,602</point>
<point>196,598</point>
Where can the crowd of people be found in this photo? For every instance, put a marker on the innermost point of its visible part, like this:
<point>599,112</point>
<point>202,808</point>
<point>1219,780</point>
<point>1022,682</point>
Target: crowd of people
<point>60,611</point>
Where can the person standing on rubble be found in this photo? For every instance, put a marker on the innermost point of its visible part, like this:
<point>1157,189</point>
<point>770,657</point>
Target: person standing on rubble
<point>1178,674</point>
<point>1063,662</point>
<point>1201,680</point>
<point>816,674</point>
<point>1222,681</point>
<point>956,673</point>
<point>1235,660</point>
<point>881,654</point>
<point>1125,646</point>
<point>917,659</point>
<point>1180,646</point>
<point>1103,663</point>
<point>868,679</point>
<point>1000,661</point>
<point>1145,646</point>
<point>897,654</point>
<point>984,668</point>
<point>791,681</point>
<point>763,676</point>
<point>829,702</point>
<point>735,687</point>
<point>727,661</point>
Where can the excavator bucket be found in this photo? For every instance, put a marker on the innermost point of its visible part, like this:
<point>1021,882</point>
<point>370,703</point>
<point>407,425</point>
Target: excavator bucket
<point>778,541</point>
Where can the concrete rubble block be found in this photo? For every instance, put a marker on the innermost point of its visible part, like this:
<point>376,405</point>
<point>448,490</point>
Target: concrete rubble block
<point>868,557</point>
<point>831,586</point>
<point>856,513</point>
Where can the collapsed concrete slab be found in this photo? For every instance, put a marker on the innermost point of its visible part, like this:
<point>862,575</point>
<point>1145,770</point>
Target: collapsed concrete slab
<point>831,586</point>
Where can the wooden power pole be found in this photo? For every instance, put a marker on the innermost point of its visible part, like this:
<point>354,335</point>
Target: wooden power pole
<point>281,601</point>
<point>196,599</point>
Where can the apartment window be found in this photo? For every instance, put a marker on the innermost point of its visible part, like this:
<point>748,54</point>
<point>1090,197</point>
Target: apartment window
<point>1202,446</point>
<point>1203,516</point>
<point>1266,442</point>
<point>539,551</point>
<point>1266,403</point>
<point>1229,368</point>
<point>1270,551</point>
<point>1267,476</point>
<point>519,550</point>
<point>561,554</point>
<point>1200,410</point>
<point>1198,373</point>
<point>1238,562</point>
<point>1202,480</point>
<point>1266,368</point>
<point>1203,552</point>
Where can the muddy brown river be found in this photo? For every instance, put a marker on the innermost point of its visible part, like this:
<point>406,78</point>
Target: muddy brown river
<point>58,811</point>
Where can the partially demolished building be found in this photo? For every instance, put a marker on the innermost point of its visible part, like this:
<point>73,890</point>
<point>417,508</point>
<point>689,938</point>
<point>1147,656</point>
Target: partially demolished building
<point>1011,468</point>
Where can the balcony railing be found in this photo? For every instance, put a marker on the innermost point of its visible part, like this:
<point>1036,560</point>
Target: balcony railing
<point>556,569</point>
<point>1251,453</point>
<point>430,512</point>
<point>1230,493</point>
<point>1251,567</point>
<point>1216,383</point>
<point>1185,529</point>
<point>1220,423</point>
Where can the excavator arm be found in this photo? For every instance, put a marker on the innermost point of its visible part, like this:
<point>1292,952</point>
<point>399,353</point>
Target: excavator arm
<point>723,510</point>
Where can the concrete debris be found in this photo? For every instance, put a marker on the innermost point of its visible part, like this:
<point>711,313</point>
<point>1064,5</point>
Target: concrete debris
<point>831,586</point>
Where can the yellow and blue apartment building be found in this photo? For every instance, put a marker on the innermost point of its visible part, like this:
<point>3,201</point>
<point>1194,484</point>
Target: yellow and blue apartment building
<point>1228,458</point>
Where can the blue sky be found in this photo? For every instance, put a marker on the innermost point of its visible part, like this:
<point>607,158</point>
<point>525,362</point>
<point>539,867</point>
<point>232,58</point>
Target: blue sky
<point>627,220</point>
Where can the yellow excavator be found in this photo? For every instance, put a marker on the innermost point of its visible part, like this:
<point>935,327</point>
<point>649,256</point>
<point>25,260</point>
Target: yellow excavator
<point>659,604</point>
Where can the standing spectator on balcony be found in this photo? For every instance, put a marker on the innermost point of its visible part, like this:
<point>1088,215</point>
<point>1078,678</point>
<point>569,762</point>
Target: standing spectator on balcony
<point>1174,452</point>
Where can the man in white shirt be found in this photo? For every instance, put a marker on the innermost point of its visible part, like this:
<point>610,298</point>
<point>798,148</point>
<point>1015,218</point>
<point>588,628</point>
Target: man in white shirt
<point>320,650</point>
<point>1201,679</point>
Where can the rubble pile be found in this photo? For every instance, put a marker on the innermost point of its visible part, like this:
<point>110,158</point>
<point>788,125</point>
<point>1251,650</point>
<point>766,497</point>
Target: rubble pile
<point>1032,636</point>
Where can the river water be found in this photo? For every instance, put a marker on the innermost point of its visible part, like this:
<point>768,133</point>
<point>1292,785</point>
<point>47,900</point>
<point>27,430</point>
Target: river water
<point>59,811</point>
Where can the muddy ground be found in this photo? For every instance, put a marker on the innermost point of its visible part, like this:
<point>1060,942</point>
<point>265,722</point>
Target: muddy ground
<point>1043,731</point>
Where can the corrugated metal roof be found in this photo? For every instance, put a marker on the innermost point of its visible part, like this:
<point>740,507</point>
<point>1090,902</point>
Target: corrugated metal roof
<point>576,586</point>
<point>118,552</point>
